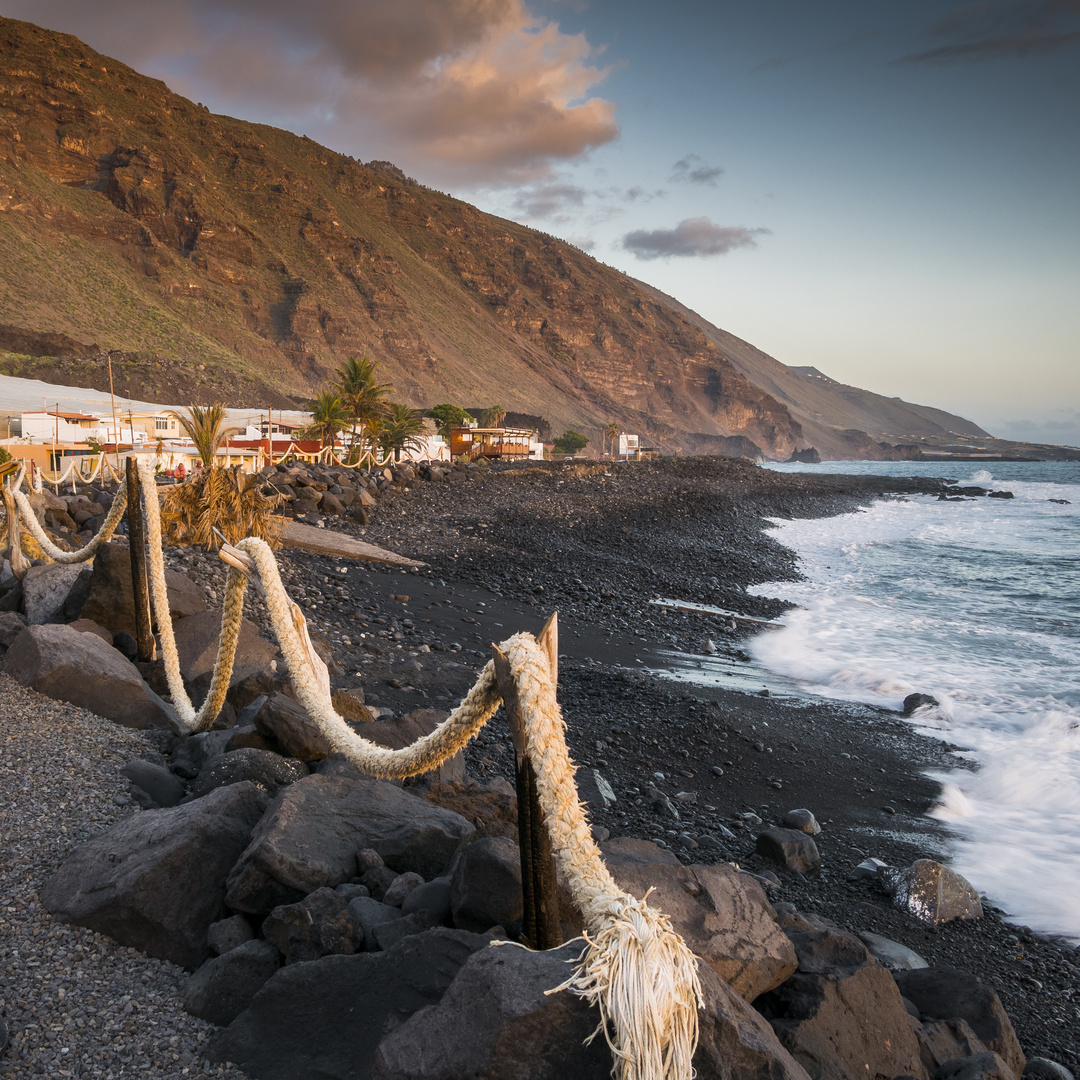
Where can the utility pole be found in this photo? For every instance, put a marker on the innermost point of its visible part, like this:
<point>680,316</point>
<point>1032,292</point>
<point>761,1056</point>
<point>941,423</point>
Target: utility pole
<point>116,430</point>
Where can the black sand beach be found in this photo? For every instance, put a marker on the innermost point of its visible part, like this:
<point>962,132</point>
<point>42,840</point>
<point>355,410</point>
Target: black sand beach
<point>505,547</point>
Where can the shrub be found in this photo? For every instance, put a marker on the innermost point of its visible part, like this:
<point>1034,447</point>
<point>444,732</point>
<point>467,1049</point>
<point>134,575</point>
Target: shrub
<point>570,442</point>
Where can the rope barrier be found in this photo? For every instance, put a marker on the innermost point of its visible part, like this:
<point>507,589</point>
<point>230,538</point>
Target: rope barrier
<point>634,968</point>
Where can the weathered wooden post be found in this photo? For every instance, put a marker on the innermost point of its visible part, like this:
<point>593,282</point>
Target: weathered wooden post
<point>19,563</point>
<point>144,635</point>
<point>541,927</point>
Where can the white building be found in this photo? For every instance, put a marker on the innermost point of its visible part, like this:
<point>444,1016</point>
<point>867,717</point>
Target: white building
<point>61,427</point>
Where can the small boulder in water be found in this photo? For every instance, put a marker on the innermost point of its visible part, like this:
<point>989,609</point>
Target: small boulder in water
<point>917,701</point>
<point>934,893</point>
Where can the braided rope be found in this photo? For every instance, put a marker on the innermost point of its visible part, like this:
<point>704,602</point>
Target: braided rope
<point>103,535</point>
<point>74,471</point>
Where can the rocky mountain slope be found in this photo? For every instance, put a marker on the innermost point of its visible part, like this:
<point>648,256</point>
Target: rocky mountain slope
<point>219,258</point>
<point>841,421</point>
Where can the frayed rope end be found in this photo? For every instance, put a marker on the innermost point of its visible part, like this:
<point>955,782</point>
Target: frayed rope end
<point>643,978</point>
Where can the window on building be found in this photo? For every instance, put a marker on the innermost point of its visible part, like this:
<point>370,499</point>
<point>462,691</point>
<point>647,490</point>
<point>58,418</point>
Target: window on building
<point>160,424</point>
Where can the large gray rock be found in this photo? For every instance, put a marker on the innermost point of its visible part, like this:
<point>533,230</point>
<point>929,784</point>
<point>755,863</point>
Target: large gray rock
<point>388,934</point>
<point>792,849</point>
<point>45,589</point>
<point>824,948</point>
<point>433,896</point>
<point>495,1022</point>
<point>223,987</point>
<point>156,881</point>
<point>1040,1068</point>
<point>287,721</point>
<point>891,954</point>
<point>367,915</point>
<point>110,600</point>
<point>79,668</point>
<point>197,645</point>
<point>845,1026</point>
<point>315,827</point>
<point>325,1018</point>
<point>630,851</point>
<point>228,934</point>
<point>724,916</point>
<point>485,885</point>
<point>12,624</point>
<point>945,993</point>
<point>194,752</point>
<point>987,1066</point>
<point>594,790</point>
<point>317,926</point>
<point>933,893</point>
<point>153,785</point>
<point>88,626</point>
<point>735,1040</point>
<point>263,768</point>
<point>942,1041</point>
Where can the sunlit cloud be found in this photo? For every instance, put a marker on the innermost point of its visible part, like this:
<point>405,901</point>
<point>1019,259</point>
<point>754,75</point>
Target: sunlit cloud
<point>472,91</point>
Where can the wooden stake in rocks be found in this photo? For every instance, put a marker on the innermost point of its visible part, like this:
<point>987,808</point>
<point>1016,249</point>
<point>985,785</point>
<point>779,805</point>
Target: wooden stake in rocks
<point>541,927</point>
<point>144,636</point>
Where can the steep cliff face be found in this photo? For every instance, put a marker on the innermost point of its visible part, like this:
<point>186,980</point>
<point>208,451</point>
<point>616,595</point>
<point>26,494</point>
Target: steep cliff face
<point>220,258</point>
<point>137,220</point>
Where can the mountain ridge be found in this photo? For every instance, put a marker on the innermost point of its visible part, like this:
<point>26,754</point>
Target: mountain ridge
<point>211,256</point>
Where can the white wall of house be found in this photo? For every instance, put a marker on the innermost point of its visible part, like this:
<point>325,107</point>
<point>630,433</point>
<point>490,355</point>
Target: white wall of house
<point>46,427</point>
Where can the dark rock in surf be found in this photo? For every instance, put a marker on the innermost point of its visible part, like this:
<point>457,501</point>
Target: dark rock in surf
<point>917,701</point>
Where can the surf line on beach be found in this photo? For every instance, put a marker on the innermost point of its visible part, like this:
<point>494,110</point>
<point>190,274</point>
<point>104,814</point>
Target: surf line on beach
<point>978,605</point>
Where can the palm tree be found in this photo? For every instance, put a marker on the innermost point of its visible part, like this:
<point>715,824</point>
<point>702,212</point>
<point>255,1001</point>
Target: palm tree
<point>494,416</point>
<point>329,417</point>
<point>361,393</point>
<point>204,426</point>
<point>612,432</point>
<point>216,497</point>
<point>400,429</point>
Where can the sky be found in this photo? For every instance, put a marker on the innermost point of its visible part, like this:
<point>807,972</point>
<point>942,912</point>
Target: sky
<point>887,191</point>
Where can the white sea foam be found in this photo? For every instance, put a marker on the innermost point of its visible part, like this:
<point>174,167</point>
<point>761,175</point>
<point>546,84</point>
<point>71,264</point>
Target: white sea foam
<point>978,604</point>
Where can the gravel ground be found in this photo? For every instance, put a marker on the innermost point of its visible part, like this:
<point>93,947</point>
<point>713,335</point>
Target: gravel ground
<point>76,1004</point>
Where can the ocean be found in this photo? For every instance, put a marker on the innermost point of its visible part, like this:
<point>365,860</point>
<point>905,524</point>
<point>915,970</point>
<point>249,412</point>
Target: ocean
<point>977,604</point>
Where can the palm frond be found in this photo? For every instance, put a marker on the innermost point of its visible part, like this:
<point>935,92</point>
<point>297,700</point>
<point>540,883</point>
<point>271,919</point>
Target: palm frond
<point>230,500</point>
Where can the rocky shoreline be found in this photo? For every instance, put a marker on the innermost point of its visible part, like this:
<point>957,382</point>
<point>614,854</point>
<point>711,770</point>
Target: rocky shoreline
<point>698,772</point>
